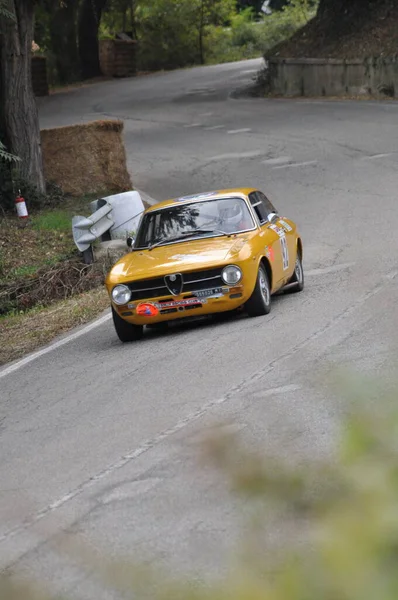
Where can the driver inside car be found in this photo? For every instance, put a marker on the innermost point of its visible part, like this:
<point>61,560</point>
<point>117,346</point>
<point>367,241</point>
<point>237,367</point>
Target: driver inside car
<point>233,216</point>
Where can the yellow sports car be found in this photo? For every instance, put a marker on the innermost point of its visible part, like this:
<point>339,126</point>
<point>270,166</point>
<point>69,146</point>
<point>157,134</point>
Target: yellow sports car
<point>204,254</point>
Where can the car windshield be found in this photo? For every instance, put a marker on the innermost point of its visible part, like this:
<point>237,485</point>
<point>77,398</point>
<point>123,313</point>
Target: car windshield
<point>223,216</point>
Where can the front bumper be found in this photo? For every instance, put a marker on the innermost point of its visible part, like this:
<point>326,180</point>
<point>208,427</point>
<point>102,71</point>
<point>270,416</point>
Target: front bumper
<point>186,305</point>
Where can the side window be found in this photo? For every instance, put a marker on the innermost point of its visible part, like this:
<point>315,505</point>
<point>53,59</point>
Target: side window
<point>261,206</point>
<point>270,208</point>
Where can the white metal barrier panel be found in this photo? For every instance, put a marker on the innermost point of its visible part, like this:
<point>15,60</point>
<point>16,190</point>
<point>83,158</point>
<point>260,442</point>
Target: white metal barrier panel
<point>114,218</point>
<point>87,229</point>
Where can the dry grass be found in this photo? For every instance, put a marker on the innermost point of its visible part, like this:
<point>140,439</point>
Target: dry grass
<point>87,158</point>
<point>373,33</point>
<point>39,263</point>
<point>23,333</point>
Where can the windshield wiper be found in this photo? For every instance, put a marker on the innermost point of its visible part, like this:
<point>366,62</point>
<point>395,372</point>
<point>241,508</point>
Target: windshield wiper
<point>187,234</point>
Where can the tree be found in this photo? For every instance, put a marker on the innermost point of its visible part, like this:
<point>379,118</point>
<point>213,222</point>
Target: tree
<point>63,36</point>
<point>89,21</point>
<point>210,12</point>
<point>18,111</point>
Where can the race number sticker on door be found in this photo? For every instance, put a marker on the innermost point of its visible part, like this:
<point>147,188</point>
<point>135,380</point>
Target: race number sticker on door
<point>285,253</point>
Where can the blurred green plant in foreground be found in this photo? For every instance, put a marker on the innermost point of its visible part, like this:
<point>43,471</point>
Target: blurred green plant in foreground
<point>348,508</point>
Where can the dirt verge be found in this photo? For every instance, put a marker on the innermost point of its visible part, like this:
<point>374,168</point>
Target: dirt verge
<point>372,31</point>
<point>23,333</point>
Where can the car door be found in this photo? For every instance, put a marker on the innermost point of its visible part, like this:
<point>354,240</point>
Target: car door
<point>279,232</point>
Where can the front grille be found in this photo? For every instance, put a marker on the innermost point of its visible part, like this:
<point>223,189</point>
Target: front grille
<point>192,282</point>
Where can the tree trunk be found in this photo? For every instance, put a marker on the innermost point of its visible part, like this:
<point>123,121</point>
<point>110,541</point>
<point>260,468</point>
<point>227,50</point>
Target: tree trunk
<point>19,114</point>
<point>89,21</point>
<point>63,36</point>
<point>201,28</point>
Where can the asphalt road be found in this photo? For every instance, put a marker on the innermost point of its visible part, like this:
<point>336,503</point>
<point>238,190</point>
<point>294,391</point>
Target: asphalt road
<point>101,440</point>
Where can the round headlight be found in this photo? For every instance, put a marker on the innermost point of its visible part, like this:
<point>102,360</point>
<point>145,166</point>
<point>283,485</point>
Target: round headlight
<point>231,275</point>
<point>121,294</point>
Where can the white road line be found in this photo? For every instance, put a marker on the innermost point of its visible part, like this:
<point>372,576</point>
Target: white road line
<point>208,114</point>
<point>284,389</point>
<point>296,165</point>
<point>234,131</point>
<point>192,125</point>
<point>280,160</point>
<point>325,270</point>
<point>374,156</point>
<point>69,338</point>
<point>214,127</point>
<point>232,155</point>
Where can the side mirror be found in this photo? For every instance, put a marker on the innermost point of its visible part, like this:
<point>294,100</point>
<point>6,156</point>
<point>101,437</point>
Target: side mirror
<point>271,217</point>
<point>130,241</point>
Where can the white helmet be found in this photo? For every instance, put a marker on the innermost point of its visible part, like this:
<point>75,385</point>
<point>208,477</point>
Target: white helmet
<point>231,212</point>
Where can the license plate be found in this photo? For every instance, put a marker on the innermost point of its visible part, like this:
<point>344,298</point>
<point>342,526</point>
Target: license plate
<point>174,303</point>
<point>209,293</point>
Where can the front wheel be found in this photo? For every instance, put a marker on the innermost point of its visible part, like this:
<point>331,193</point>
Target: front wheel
<point>127,332</point>
<point>260,301</point>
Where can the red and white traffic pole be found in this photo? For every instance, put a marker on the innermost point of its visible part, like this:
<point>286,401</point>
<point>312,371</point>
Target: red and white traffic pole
<point>21,207</point>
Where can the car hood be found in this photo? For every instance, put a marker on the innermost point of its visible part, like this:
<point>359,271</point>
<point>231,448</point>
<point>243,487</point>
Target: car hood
<point>179,257</point>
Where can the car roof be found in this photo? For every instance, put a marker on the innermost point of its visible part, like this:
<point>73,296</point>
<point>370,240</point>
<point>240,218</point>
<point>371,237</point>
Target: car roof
<point>203,196</point>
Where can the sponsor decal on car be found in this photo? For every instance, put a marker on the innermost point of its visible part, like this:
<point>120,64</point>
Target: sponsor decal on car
<point>147,309</point>
<point>285,225</point>
<point>176,303</point>
<point>285,253</point>
<point>269,253</point>
<point>281,232</point>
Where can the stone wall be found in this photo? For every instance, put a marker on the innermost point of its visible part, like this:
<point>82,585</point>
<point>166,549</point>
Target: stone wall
<point>333,77</point>
<point>118,58</point>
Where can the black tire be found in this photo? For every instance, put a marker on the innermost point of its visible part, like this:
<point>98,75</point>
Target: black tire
<point>296,284</point>
<point>127,332</point>
<point>259,303</point>
<point>162,326</point>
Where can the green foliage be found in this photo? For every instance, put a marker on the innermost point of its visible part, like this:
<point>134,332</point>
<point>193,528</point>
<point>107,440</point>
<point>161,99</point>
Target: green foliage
<point>6,156</point>
<point>35,200</point>
<point>4,12</point>
<point>247,38</point>
<point>56,220</point>
<point>166,35</point>
<point>168,31</point>
<point>180,33</point>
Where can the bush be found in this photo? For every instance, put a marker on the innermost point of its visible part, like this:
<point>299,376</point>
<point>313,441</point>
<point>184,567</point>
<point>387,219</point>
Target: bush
<point>166,36</point>
<point>35,200</point>
<point>247,38</point>
<point>169,31</point>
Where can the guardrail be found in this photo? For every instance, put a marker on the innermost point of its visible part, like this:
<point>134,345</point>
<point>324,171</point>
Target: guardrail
<point>115,218</point>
